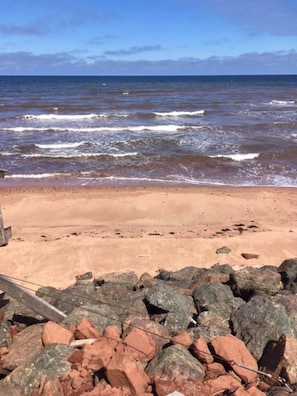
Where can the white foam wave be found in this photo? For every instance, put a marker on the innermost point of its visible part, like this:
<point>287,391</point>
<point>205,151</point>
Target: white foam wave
<point>140,128</point>
<point>57,146</point>
<point>80,155</point>
<point>70,117</point>
<point>180,113</point>
<point>282,102</point>
<point>237,157</point>
<point>33,175</point>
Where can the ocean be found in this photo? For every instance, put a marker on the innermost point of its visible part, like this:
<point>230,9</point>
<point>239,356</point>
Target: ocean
<point>191,130</point>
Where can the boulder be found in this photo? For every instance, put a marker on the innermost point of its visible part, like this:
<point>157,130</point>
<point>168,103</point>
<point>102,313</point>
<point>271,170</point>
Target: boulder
<point>259,321</point>
<point>175,309</point>
<point>101,315</point>
<point>176,362</point>
<point>251,281</point>
<point>25,347</point>
<point>180,387</point>
<point>280,359</point>
<point>234,352</point>
<point>50,363</point>
<point>124,372</point>
<point>288,272</point>
<point>129,279</point>
<point>183,278</point>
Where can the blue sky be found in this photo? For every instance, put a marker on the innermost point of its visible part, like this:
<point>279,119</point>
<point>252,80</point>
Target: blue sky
<point>148,37</point>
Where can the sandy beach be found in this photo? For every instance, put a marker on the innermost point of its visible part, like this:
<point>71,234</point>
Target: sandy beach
<point>58,233</point>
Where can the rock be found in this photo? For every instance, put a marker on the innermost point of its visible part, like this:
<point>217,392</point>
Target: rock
<point>86,276</point>
<point>141,343</point>
<point>216,274</point>
<point>215,302</point>
<point>86,329</point>
<point>249,256</point>
<point>251,281</point>
<point>101,315</point>
<point>69,299</point>
<point>26,346</point>
<point>177,309</point>
<point>211,293</point>
<point>112,332</point>
<point>184,277</point>
<point>280,359</point>
<point>176,362</point>
<point>289,302</point>
<point>223,250</point>
<point>158,332</point>
<point>259,321</point>
<point>288,271</point>
<point>180,387</point>
<point>98,355</point>
<point>53,333</point>
<point>50,363</point>
<point>49,388</point>
<point>202,352</point>
<point>128,278</point>
<point>184,339</point>
<point>222,384</point>
<point>234,351</point>
<point>124,372</point>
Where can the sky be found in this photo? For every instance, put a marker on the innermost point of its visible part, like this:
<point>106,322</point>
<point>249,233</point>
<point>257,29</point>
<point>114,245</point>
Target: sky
<point>148,37</point>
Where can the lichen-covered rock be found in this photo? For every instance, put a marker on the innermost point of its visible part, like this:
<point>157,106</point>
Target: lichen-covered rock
<point>176,308</point>
<point>259,321</point>
<point>251,281</point>
<point>176,362</point>
<point>51,363</point>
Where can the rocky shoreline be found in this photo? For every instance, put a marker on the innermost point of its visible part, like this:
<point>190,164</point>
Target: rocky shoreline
<point>195,331</point>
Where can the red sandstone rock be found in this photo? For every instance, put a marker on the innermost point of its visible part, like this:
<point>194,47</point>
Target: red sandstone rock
<point>86,329</point>
<point>54,333</point>
<point>249,256</point>
<point>184,339</point>
<point>214,370</point>
<point>82,384</point>
<point>165,386</point>
<point>13,331</point>
<point>253,391</point>
<point>201,351</point>
<point>112,332</point>
<point>98,354</point>
<point>142,343</point>
<point>223,383</point>
<point>4,351</point>
<point>124,372</point>
<point>234,351</point>
<point>104,389</point>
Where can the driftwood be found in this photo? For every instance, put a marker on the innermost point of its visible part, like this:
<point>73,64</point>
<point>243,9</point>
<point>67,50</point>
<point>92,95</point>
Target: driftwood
<point>30,300</point>
<point>5,233</point>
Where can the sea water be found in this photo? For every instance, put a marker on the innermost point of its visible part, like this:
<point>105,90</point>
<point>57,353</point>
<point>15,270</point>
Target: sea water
<point>217,130</point>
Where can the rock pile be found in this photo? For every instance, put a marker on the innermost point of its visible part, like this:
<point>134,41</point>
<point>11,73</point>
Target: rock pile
<point>195,331</point>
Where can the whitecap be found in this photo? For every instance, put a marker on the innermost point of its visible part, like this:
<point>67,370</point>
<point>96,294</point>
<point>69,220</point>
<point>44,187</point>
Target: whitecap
<point>237,157</point>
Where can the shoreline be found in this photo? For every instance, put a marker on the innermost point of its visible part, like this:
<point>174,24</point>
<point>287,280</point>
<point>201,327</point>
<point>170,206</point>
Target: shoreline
<point>61,232</point>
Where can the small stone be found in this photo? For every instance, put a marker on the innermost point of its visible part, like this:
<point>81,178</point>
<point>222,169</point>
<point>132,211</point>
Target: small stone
<point>184,339</point>
<point>223,250</point>
<point>86,329</point>
<point>54,333</point>
<point>249,256</point>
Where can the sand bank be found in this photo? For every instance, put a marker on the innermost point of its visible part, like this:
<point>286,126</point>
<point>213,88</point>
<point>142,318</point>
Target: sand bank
<point>58,233</point>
